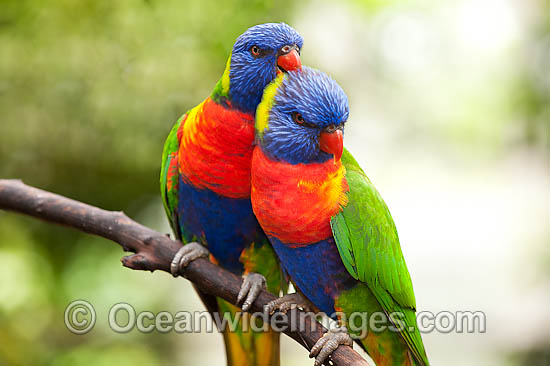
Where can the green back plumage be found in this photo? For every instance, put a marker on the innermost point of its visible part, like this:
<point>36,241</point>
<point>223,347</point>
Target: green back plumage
<point>170,196</point>
<point>368,244</point>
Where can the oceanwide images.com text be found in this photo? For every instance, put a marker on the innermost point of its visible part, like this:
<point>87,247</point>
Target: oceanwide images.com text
<point>80,318</point>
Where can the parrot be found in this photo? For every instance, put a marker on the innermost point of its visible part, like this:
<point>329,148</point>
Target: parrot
<point>205,183</point>
<point>329,226</point>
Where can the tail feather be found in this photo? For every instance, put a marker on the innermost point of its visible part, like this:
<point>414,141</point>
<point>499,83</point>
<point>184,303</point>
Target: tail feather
<point>244,347</point>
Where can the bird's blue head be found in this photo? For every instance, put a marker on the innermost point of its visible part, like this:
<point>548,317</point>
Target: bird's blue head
<point>258,55</point>
<point>301,118</point>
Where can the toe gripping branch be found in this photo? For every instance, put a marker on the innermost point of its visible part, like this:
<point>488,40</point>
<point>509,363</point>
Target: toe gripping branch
<point>185,255</point>
<point>327,344</point>
<point>253,284</point>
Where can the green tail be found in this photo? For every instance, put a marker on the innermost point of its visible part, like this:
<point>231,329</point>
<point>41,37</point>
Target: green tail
<point>381,339</point>
<point>243,347</point>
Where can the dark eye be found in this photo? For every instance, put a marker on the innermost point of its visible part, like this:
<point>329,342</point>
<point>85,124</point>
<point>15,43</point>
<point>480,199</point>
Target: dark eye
<point>298,118</point>
<point>255,51</point>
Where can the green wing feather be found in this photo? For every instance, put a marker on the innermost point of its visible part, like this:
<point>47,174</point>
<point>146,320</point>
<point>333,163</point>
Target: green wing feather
<point>368,244</point>
<point>168,181</point>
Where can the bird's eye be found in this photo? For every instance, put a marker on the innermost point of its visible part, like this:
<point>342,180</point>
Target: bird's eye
<point>298,118</point>
<point>255,51</point>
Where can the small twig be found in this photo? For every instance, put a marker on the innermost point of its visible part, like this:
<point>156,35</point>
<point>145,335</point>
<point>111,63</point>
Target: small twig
<point>153,251</point>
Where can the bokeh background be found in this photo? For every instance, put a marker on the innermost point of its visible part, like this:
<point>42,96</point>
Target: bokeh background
<point>450,117</point>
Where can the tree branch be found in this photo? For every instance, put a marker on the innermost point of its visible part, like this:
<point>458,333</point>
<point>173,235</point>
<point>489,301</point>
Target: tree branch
<point>153,251</point>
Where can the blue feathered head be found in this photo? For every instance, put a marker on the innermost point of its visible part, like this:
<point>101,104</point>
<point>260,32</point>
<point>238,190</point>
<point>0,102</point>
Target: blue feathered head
<point>301,117</point>
<point>258,55</point>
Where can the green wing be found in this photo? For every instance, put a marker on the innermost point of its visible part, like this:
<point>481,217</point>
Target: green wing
<point>367,240</point>
<point>169,178</point>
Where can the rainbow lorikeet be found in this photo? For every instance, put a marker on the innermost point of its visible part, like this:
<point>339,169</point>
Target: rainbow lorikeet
<point>328,224</point>
<point>205,181</point>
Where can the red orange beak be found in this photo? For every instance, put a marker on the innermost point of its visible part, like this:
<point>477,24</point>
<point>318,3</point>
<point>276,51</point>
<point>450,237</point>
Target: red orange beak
<point>332,143</point>
<point>290,61</point>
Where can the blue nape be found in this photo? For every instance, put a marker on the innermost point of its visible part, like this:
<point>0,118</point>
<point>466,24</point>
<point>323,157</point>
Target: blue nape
<point>317,270</point>
<point>227,225</point>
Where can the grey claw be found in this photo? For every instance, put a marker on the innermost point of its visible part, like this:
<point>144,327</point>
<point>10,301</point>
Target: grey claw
<point>187,253</point>
<point>328,344</point>
<point>252,285</point>
<point>287,302</point>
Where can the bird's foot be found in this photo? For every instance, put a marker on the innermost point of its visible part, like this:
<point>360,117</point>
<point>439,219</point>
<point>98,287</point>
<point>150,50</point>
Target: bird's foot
<point>187,253</point>
<point>252,285</point>
<point>328,344</point>
<point>287,302</point>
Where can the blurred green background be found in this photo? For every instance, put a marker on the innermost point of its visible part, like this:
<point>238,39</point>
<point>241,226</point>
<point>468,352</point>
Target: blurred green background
<point>450,113</point>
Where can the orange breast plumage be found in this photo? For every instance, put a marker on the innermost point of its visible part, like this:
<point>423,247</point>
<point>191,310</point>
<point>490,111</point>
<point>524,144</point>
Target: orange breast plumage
<point>215,151</point>
<point>295,203</point>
